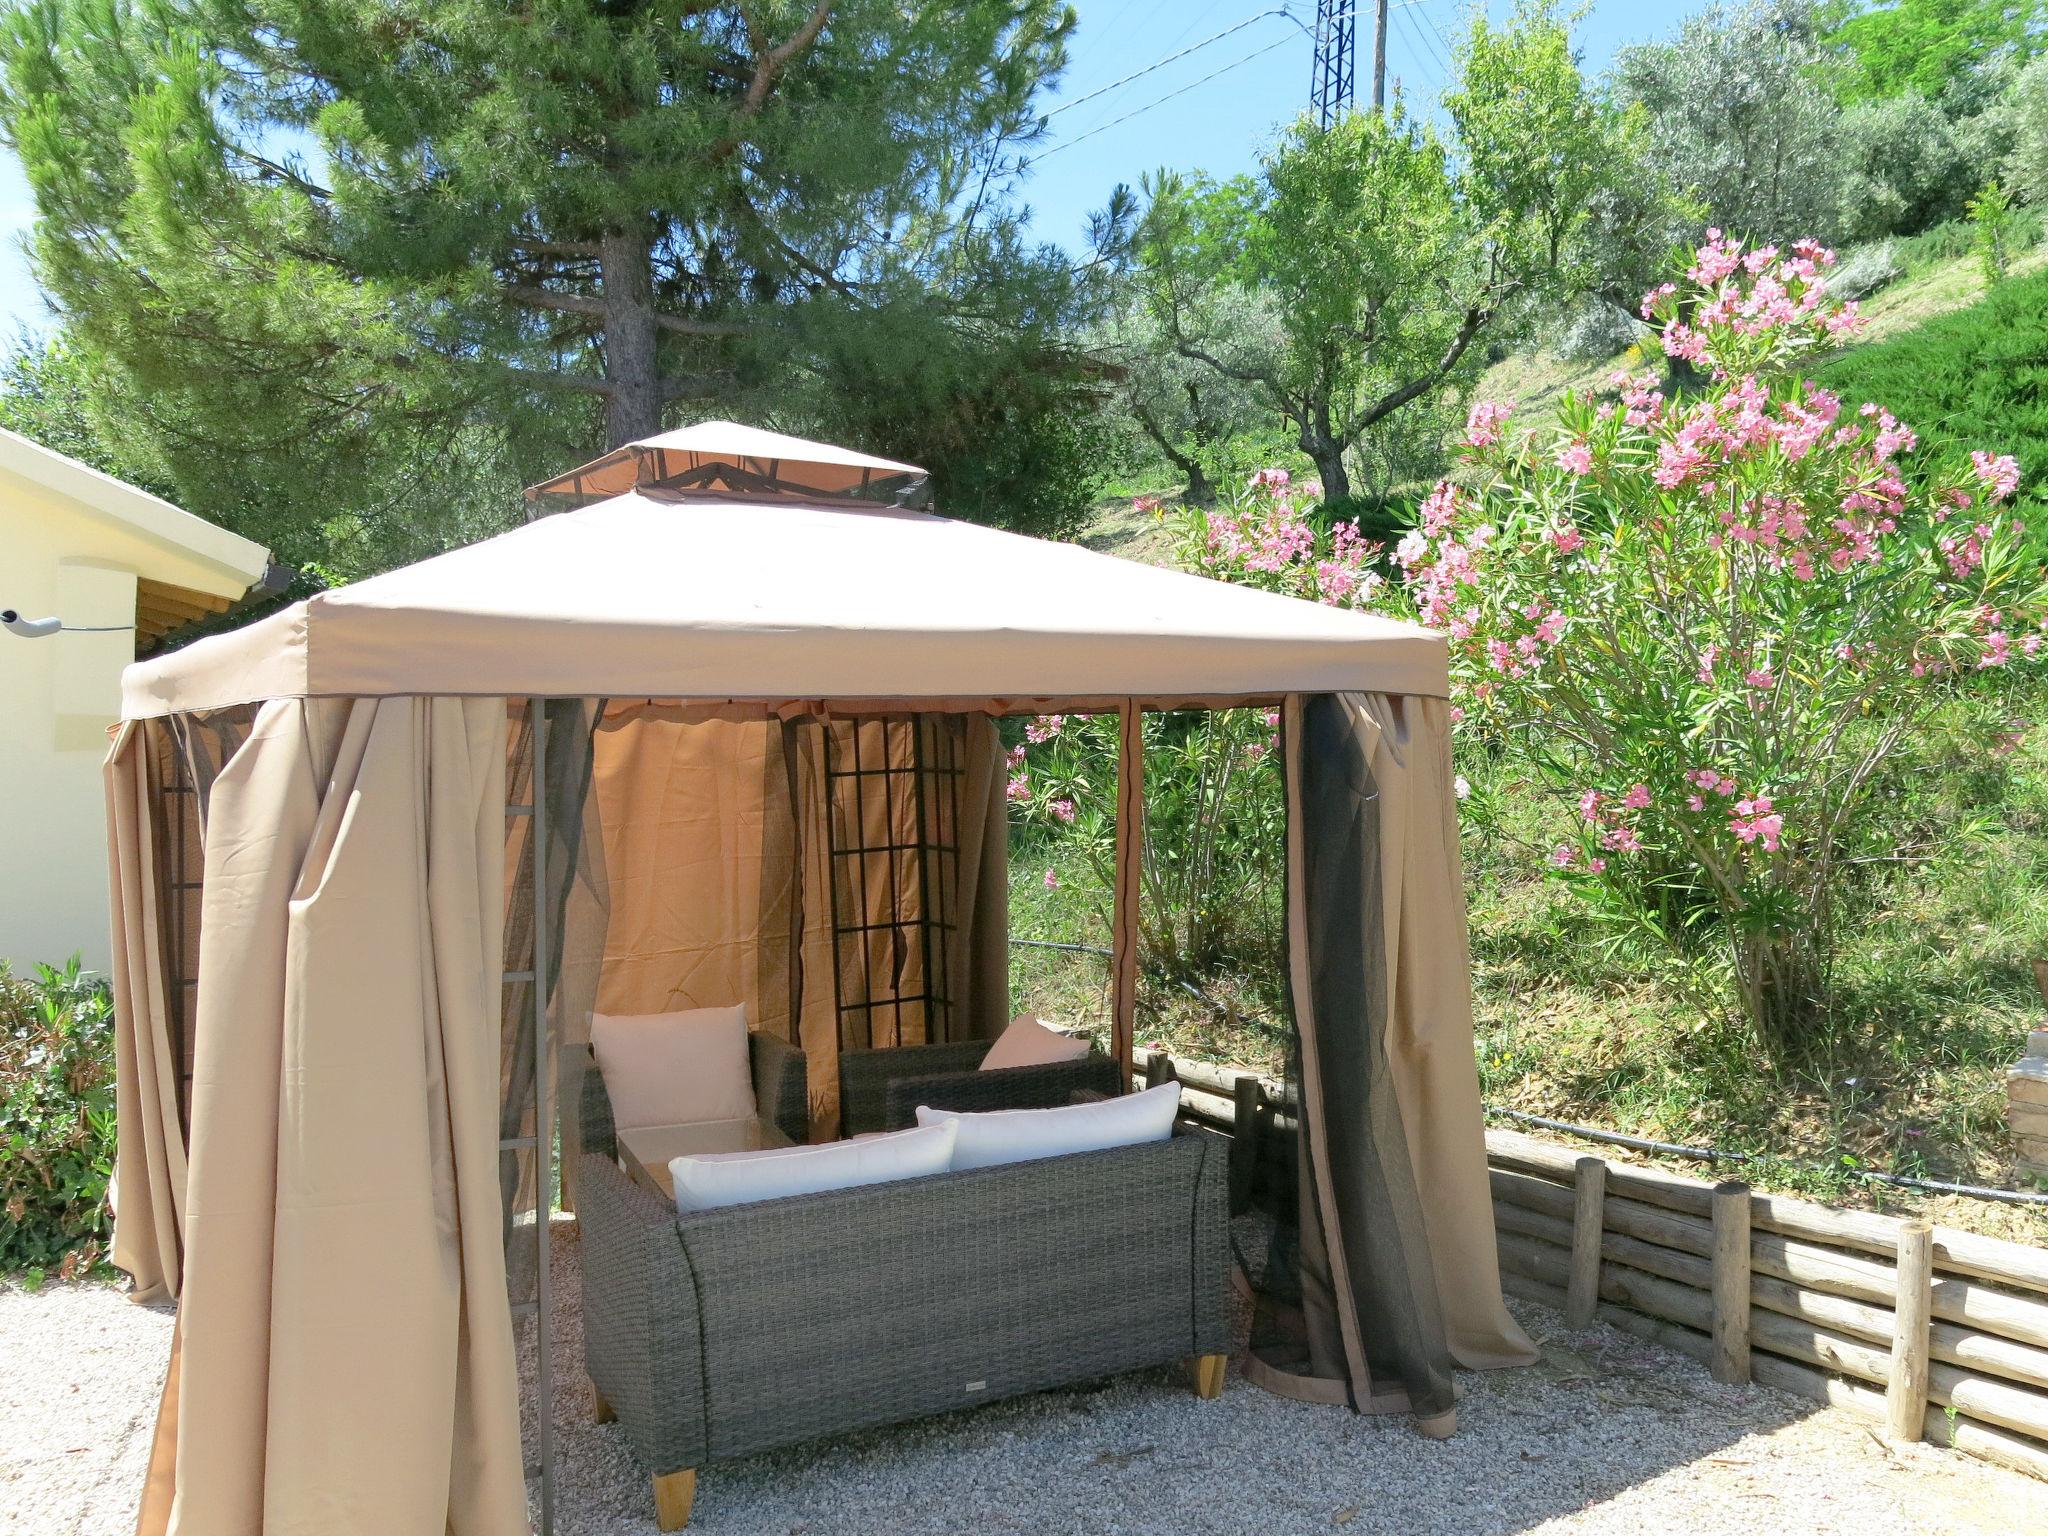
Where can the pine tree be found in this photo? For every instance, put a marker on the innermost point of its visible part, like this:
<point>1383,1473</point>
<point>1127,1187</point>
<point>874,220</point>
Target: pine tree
<point>332,238</point>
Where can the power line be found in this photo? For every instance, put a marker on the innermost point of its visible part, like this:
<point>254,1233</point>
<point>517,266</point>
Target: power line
<point>1157,101</point>
<point>1434,25</point>
<point>1430,61</point>
<point>1139,74</point>
<point>1422,38</point>
<point>1194,21</point>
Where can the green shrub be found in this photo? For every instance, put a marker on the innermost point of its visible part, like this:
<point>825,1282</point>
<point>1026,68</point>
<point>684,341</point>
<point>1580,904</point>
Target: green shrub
<point>56,1120</point>
<point>1958,238</point>
<point>1974,376</point>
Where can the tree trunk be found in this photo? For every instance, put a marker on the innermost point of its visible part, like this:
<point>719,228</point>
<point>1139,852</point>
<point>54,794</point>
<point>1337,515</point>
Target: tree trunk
<point>1328,455</point>
<point>631,366</point>
<point>1200,491</point>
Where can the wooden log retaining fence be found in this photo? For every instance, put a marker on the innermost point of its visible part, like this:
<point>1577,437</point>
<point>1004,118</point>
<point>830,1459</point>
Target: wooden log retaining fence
<point>1931,1332</point>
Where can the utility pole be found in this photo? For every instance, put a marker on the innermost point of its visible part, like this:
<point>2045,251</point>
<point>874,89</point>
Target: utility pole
<point>1379,59</point>
<point>1332,76</point>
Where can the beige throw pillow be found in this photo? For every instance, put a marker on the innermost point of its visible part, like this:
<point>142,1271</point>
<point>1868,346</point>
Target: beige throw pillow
<point>1028,1043</point>
<point>678,1068</point>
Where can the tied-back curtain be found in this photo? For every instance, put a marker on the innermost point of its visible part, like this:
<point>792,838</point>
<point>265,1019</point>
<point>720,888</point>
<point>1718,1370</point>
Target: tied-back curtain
<point>1347,1307</point>
<point>344,1356</point>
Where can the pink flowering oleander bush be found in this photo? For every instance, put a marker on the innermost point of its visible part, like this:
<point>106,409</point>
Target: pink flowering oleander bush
<point>1708,623</point>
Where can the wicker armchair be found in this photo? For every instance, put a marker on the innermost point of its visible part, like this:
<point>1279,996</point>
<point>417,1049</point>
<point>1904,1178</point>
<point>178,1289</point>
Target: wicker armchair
<point>880,1090</point>
<point>781,1093</point>
<point>727,1332</point>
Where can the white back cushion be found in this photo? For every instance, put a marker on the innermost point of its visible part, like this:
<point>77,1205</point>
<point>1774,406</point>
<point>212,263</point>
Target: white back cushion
<point>713,1179</point>
<point>1017,1135</point>
<point>1028,1043</point>
<point>675,1068</point>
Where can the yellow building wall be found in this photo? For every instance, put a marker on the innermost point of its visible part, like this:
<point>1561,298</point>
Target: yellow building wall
<point>58,695</point>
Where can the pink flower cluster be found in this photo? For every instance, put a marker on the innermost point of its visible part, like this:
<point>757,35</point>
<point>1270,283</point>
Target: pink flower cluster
<point>2000,474</point>
<point>1757,295</point>
<point>1707,782</point>
<point>1751,818</point>
<point>1755,822</point>
<point>1484,422</point>
<point>1269,535</point>
<point>1610,823</point>
<point>1347,574</point>
<point>1574,457</point>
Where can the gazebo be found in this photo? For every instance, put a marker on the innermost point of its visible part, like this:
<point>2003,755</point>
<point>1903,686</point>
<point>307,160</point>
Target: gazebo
<point>720,730</point>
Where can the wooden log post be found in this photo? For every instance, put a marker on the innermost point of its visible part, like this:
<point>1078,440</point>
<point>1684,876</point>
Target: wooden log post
<point>1159,1069</point>
<point>1731,1282</point>
<point>1905,1392</point>
<point>1249,1098</point>
<point>1589,1220</point>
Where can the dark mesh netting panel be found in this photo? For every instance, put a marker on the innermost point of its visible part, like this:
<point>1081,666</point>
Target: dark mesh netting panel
<point>1333,1245</point>
<point>576,898</point>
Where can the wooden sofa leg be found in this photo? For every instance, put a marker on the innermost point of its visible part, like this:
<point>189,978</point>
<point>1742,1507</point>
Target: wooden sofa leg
<point>600,1407</point>
<point>673,1496</point>
<point>1206,1372</point>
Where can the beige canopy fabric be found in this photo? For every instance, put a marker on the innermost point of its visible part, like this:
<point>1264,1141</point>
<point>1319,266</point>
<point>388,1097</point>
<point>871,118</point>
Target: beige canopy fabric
<point>149,1166</point>
<point>342,1258</point>
<point>771,457</point>
<point>713,600</point>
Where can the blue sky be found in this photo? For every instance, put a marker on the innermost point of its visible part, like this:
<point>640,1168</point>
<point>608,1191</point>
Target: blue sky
<point>1216,125</point>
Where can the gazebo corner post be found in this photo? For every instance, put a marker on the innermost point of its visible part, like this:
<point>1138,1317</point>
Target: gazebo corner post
<point>543,1116</point>
<point>1130,855</point>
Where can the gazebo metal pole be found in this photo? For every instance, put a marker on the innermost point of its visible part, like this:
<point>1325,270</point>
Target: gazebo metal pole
<point>1130,854</point>
<point>543,1119</point>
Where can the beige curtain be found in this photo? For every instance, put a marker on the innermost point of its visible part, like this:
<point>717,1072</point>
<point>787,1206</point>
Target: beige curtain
<point>149,1161</point>
<point>980,960</point>
<point>1429,1040</point>
<point>344,1359</point>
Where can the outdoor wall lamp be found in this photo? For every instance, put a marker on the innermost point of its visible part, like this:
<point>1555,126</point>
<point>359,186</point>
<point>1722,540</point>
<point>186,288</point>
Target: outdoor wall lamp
<point>35,629</point>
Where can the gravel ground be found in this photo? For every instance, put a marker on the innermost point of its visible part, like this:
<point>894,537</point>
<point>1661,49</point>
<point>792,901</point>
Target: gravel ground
<point>1607,1435</point>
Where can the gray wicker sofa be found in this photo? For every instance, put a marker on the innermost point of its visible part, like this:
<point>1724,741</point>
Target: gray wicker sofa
<point>726,1332</point>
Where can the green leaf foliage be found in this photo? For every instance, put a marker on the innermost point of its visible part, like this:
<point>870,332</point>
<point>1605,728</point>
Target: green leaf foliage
<point>1925,47</point>
<point>1387,253</point>
<point>56,1120</point>
<point>354,270</point>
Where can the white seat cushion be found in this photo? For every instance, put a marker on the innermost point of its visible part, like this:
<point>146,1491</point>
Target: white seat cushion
<point>713,1179</point>
<point>1028,1043</point>
<point>995,1136</point>
<point>675,1068</point>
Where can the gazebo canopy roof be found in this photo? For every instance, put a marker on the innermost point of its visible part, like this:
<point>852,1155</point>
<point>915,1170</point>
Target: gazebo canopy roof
<point>654,595</point>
